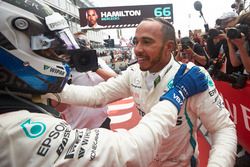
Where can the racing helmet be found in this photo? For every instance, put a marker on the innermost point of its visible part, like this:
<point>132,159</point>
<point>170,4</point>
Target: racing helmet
<point>34,46</point>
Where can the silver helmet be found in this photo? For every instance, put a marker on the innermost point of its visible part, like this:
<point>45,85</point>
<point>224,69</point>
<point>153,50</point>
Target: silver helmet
<point>34,46</point>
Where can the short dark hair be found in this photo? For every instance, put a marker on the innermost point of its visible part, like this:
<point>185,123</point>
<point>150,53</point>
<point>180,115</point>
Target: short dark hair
<point>213,32</point>
<point>167,28</point>
<point>186,41</point>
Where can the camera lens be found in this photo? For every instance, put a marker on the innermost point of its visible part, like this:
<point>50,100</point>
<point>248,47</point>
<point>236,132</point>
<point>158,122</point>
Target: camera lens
<point>233,33</point>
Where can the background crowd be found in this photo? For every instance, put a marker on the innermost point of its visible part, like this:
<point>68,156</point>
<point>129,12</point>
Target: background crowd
<point>223,50</point>
<point>170,99</point>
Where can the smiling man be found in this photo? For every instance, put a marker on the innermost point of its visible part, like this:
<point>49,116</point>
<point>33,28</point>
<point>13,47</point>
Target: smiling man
<point>147,81</point>
<point>33,63</point>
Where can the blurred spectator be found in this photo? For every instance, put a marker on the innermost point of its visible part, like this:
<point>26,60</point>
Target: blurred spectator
<point>112,56</point>
<point>188,50</point>
<point>87,117</point>
<point>217,46</point>
<point>217,50</point>
<point>228,19</point>
<point>238,39</point>
<point>203,38</point>
<point>238,6</point>
<point>237,35</point>
<point>190,34</point>
<point>197,37</point>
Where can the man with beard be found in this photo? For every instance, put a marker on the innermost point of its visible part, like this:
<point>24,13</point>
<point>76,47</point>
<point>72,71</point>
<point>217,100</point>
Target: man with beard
<point>147,81</point>
<point>30,66</point>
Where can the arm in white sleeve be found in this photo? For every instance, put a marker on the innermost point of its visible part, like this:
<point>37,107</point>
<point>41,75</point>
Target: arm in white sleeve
<point>94,96</point>
<point>216,119</point>
<point>138,146</point>
<point>53,143</point>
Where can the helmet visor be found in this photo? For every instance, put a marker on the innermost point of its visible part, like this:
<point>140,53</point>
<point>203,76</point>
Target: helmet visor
<point>69,41</point>
<point>55,48</point>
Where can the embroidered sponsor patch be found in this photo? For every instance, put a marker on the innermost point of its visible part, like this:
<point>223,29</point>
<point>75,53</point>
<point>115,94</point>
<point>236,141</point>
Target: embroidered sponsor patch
<point>33,129</point>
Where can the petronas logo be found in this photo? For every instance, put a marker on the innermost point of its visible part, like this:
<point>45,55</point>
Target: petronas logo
<point>210,82</point>
<point>33,129</point>
<point>45,67</point>
<point>170,84</point>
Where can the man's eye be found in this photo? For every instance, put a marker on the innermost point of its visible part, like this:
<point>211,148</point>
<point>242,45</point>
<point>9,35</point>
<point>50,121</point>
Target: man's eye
<point>146,41</point>
<point>135,41</point>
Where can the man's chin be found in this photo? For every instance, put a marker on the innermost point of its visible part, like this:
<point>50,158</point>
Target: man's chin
<point>143,68</point>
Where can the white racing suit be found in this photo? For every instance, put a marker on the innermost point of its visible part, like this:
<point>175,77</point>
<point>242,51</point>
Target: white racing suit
<point>40,140</point>
<point>180,149</point>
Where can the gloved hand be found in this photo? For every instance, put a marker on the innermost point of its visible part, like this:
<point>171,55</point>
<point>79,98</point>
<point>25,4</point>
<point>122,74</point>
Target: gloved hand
<point>186,85</point>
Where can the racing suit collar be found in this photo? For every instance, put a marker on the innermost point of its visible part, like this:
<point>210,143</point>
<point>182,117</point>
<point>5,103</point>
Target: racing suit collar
<point>166,69</point>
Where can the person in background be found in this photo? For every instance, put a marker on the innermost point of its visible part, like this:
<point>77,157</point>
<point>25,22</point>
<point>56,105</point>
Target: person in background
<point>192,51</point>
<point>82,116</point>
<point>196,36</point>
<point>146,81</point>
<point>238,40</point>
<point>217,46</point>
<point>32,66</point>
<point>190,34</point>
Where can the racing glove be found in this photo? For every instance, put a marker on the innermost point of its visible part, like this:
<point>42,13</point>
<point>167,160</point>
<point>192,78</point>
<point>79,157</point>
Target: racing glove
<point>185,85</point>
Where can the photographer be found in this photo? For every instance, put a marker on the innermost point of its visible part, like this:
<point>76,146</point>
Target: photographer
<point>238,43</point>
<point>82,116</point>
<point>217,46</point>
<point>192,51</point>
<point>220,65</point>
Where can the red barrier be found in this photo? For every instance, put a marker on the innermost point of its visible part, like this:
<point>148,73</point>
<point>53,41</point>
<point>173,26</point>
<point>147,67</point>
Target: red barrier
<point>237,101</point>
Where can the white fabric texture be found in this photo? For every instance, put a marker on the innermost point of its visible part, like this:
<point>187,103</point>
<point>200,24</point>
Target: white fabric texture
<point>33,139</point>
<point>83,116</point>
<point>182,144</point>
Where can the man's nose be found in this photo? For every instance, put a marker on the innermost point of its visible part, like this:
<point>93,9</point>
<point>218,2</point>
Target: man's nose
<point>138,47</point>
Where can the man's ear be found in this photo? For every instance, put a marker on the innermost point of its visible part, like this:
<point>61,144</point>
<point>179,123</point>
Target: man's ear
<point>170,45</point>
